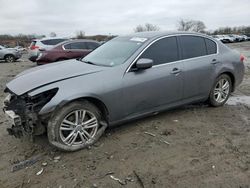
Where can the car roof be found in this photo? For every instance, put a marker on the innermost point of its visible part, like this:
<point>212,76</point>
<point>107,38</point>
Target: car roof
<point>49,38</point>
<point>75,40</point>
<point>157,34</point>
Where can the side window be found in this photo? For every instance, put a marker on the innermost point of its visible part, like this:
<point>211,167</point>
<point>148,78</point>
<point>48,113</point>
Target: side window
<point>52,41</point>
<point>67,46</point>
<point>78,45</point>
<point>92,45</point>
<point>162,51</point>
<point>211,46</point>
<point>192,46</point>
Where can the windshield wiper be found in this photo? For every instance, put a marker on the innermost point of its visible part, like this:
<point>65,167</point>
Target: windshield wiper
<point>88,62</point>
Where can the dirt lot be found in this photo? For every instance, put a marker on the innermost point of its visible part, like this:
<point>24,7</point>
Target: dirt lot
<point>193,146</point>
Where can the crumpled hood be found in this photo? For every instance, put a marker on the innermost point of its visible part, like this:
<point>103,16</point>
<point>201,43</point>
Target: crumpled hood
<point>43,75</point>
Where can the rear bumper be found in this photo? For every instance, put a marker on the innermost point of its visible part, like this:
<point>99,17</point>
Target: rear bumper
<point>18,55</point>
<point>33,58</point>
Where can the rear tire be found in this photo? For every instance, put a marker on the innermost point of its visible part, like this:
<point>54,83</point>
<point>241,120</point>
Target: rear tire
<point>75,126</point>
<point>9,58</point>
<point>220,91</point>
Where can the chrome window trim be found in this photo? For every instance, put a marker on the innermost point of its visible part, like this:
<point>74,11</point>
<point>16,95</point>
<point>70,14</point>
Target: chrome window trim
<point>174,35</point>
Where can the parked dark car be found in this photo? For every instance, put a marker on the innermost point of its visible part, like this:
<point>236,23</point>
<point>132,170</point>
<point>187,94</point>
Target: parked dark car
<point>67,50</point>
<point>128,77</point>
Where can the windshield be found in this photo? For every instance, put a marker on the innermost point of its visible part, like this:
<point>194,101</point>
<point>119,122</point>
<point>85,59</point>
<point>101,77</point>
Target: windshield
<point>114,52</point>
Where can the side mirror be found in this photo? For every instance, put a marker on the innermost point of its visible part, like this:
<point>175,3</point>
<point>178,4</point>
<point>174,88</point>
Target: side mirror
<point>144,63</point>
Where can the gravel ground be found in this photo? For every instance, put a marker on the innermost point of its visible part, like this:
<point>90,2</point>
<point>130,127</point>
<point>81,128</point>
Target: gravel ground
<point>192,146</point>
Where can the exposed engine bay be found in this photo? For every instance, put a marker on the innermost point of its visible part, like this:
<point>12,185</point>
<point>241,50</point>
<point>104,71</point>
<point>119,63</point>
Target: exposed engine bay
<point>23,111</point>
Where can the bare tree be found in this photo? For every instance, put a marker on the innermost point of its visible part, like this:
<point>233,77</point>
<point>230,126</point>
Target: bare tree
<point>191,25</point>
<point>52,34</point>
<point>80,34</point>
<point>146,27</point>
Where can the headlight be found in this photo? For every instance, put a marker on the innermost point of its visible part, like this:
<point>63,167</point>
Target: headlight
<point>39,100</point>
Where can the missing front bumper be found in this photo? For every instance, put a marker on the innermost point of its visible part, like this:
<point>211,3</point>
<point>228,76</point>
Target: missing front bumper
<point>16,128</point>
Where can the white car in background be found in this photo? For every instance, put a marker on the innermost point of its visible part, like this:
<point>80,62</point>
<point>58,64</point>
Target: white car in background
<point>229,38</point>
<point>218,37</point>
<point>38,45</point>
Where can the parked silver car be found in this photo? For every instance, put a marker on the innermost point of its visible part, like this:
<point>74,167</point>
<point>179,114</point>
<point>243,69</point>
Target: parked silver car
<point>128,77</point>
<point>9,55</point>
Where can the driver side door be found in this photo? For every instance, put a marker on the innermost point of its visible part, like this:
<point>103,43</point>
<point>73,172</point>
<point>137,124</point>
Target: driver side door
<point>158,86</point>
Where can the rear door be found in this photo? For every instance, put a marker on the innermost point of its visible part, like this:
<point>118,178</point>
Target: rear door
<point>199,57</point>
<point>76,49</point>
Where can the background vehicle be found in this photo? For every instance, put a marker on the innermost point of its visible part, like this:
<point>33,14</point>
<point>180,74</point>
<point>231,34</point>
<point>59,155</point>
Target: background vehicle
<point>126,78</point>
<point>67,50</point>
<point>218,37</point>
<point>20,49</point>
<point>9,55</point>
<point>229,38</point>
<point>38,45</point>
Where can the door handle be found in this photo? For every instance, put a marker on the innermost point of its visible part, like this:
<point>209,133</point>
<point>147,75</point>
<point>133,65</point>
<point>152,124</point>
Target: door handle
<point>176,71</point>
<point>214,62</point>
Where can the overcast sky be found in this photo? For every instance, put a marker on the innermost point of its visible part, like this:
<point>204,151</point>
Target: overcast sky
<point>65,17</point>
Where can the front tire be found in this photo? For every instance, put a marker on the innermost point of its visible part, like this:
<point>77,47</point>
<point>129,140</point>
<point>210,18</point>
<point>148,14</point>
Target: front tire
<point>221,91</point>
<point>75,126</point>
<point>9,58</point>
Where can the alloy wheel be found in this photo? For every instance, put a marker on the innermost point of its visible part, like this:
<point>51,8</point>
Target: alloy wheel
<point>9,59</point>
<point>221,90</point>
<point>78,127</point>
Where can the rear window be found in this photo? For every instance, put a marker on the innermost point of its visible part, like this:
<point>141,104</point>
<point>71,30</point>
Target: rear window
<point>192,46</point>
<point>211,46</point>
<point>52,41</point>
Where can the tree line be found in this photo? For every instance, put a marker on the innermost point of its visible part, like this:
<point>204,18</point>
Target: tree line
<point>196,26</point>
<point>182,25</point>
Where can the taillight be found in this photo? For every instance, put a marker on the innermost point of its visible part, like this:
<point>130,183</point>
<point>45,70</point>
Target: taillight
<point>34,47</point>
<point>242,58</point>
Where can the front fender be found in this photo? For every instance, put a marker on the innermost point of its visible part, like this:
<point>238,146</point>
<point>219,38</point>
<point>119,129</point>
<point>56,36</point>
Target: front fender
<point>63,96</point>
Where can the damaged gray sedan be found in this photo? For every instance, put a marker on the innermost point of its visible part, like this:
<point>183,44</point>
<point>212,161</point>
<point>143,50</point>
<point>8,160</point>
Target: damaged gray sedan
<point>129,77</point>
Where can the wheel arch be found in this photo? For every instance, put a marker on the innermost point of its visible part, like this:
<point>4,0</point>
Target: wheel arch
<point>94,100</point>
<point>9,54</point>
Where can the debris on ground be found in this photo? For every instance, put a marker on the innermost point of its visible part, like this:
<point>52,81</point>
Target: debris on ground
<point>107,174</point>
<point>151,134</point>
<point>139,179</point>
<point>26,163</point>
<point>44,164</point>
<point>118,180</point>
<point>168,132</point>
<point>57,158</point>
<point>39,172</point>
<point>164,141</point>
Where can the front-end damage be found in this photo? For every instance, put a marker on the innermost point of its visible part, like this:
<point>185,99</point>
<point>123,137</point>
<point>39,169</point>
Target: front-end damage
<point>23,111</point>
